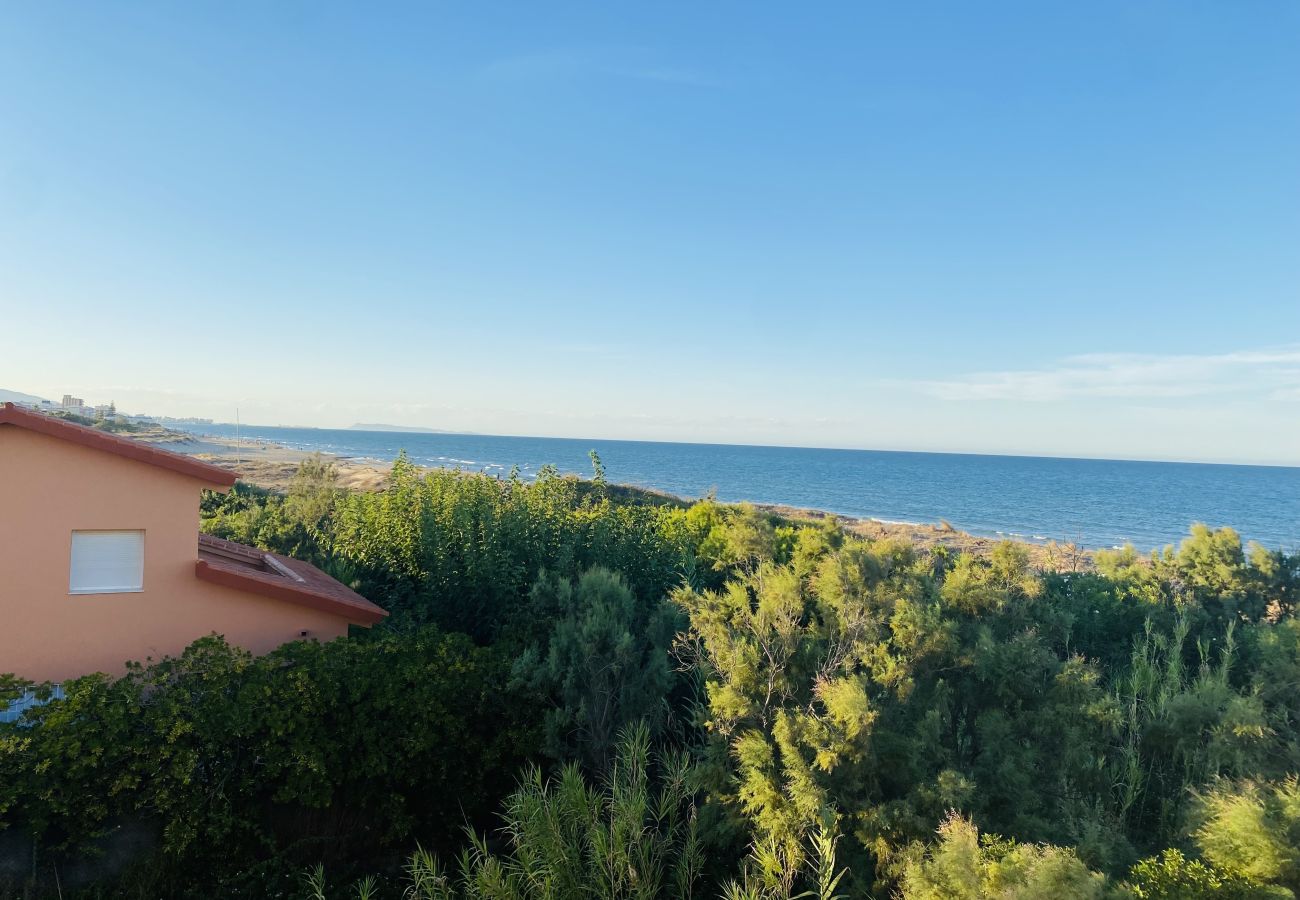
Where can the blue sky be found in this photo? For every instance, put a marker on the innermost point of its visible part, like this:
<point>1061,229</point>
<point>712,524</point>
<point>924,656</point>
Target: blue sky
<point>1069,229</point>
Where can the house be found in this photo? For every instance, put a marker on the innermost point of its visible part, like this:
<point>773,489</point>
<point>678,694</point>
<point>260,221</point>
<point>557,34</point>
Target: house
<point>101,560</point>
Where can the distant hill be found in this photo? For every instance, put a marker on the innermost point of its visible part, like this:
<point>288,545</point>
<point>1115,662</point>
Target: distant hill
<point>410,429</point>
<point>15,397</point>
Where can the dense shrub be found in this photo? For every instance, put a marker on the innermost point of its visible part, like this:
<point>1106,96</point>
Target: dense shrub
<point>342,750</point>
<point>465,550</point>
<point>1172,876</point>
<point>841,701</point>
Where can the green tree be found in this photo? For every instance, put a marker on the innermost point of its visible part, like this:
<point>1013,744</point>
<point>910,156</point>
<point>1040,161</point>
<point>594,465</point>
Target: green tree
<point>605,663</point>
<point>787,673</point>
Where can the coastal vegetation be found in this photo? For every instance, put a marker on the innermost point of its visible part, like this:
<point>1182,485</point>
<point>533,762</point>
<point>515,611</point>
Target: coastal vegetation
<point>103,423</point>
<point>586,692</point>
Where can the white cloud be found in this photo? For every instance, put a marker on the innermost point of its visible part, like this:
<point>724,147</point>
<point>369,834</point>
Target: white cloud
<point>1271,373</point>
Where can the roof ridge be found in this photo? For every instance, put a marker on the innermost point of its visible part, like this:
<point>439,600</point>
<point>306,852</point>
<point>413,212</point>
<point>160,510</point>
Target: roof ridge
<point>33,420</point>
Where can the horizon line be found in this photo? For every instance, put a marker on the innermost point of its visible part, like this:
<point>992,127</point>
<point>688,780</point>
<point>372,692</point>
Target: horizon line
<point>1013,455</point>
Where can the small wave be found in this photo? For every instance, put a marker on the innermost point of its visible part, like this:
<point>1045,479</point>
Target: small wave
<point>453,460</point>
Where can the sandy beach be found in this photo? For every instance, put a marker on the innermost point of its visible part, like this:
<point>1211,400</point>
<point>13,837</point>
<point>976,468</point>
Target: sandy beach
<point>273,466</point>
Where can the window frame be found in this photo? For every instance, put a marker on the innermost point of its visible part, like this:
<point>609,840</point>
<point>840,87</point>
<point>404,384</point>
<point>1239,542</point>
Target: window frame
<point>90,591</point>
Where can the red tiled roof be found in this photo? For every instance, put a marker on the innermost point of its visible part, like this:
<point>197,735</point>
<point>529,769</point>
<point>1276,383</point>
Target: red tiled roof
<point>112,443</point>
<point>281,577</point>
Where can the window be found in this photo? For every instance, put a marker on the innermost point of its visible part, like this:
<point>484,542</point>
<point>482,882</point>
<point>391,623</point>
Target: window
<point>106,562</point>
<point>13,711</point>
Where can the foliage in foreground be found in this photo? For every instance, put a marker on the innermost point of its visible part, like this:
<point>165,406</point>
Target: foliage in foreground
<point>1252,829</point>
<point>634,838</point>
<point>964,865</point>
<point>605,663</point>
<point>1131,729</point>
<point>889,687</point>
<point>341,749</point>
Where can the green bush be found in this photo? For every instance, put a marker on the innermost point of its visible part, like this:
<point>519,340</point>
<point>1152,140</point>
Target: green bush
<point>634,838</point>
<point>839,698</point>
<point>964,865</point>
<point>1172,876</point>
<point>1252,830</point>
<point>348,747</point>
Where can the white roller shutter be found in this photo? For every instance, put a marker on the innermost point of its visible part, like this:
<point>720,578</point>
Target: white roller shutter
<point>106,562</point>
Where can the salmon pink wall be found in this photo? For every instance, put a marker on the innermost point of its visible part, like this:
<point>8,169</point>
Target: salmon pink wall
<point>48,489</point>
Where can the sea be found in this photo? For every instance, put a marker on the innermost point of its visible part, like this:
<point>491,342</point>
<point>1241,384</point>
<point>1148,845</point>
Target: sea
<point>1094,503</point>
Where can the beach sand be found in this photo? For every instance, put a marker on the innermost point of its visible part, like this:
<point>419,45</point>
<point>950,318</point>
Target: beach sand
<point>273,466</point>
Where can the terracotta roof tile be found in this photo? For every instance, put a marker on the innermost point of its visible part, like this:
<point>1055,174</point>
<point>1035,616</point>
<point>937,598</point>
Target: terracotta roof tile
<point>281,577</point>
<point>32,420</point>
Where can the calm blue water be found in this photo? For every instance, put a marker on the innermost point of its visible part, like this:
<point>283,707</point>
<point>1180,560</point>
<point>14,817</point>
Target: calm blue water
<point>1095,503</point>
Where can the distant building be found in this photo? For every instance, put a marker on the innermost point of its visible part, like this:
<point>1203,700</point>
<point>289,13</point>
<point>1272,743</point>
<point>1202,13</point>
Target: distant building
<point>76,406</point>
<point>42,405</point>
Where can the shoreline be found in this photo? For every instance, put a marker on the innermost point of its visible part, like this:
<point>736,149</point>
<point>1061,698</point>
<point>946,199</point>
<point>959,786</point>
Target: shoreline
<point>269,465</point>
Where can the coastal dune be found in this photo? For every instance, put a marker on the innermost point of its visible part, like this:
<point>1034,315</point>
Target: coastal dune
<point>273,466</point>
